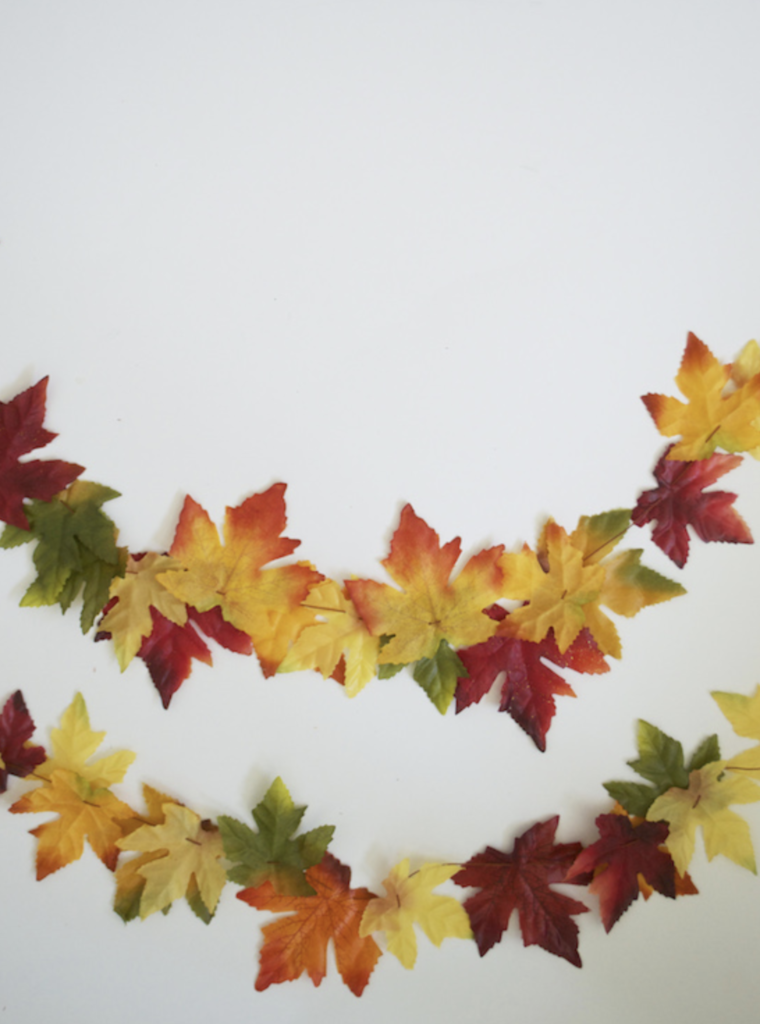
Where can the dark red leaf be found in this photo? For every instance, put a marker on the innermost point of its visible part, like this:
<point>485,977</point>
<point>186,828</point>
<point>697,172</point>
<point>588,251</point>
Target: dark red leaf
<point>16,728</point>
<point>625,851</point>
<point>21,431</point>
<point>530,686</point>
<point>679,502</point>
<point>521,881</point>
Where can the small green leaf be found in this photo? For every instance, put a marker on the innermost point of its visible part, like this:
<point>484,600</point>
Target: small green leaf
<point>634,797</point>
<point>660,759</point>
<point>707,752</point>
<point>438,675</point>
<point>388,671</point>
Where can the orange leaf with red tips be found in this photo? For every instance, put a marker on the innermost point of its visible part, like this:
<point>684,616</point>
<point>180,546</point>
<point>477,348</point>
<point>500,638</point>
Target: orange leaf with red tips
<point>430,608</point>
<point>264,603</point>
<point>21,431</point>
<point>298,942</point>
<point>711,418</point>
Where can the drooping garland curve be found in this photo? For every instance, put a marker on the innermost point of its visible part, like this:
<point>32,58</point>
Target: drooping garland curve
<point>455,636</point>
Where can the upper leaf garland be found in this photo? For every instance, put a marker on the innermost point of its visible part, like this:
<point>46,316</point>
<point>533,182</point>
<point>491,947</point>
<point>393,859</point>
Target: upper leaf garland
<point>454,633</point>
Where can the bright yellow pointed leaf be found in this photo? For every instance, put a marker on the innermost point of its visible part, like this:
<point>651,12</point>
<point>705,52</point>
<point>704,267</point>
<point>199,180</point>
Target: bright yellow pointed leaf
<point>189,850</point>
<point>75,742</point>
<point>556,597</point>
<point>84,811</point>
<point>744,715</point>
<point>713,417</point>
<point>706,803</point>
<point>341,633</point>
<point>568,579</point>
<point>409,901</point>
<point>129,621</point>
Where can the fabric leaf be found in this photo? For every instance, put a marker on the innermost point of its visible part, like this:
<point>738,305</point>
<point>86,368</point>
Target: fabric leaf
<point>17,755</point>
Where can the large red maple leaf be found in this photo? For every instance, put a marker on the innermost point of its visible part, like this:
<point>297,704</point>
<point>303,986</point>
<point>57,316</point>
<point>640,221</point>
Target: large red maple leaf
<point>21,431</point>
<point>17,755</point>
<point>521,881</point>
<point>625,851</point>
<point>529,686</point>
<point>678,502</point>
<point>298,942</point>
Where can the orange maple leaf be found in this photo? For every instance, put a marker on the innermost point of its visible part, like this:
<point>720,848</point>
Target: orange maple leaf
<point>712,418</point>
<point>85,811</point>
<point>429,609</point>
<point>298,942</point>
<point>264,603</point>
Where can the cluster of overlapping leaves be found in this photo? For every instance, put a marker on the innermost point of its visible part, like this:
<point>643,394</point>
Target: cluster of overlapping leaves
<point>646,843</point>
<point>456,632</point>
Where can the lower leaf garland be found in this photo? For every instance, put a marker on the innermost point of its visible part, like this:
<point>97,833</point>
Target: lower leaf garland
<point>179,855</point>
<point>455,635</point>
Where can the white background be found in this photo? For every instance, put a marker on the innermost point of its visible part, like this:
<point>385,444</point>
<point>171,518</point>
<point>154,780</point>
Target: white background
<point>386,252</point>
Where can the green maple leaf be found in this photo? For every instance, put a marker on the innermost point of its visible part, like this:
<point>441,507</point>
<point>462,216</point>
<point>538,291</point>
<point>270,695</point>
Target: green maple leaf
<point>272,854</point>
<point>438,675</point>
<point>661,762</point>
<point>76,549</point>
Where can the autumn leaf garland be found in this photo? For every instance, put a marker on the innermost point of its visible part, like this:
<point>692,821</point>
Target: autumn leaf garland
<point>455,631</point>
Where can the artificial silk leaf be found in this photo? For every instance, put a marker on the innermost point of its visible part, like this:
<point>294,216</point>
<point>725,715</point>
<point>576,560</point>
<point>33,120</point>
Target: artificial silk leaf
<point>74,743</point>
<point>568,578</point>
<point>84,812</point>
<point>679,501</point>
<point>711,418</point>
<point>625,851</point>
<point>521,880</point>
<point>410,900</point>
<point>130,884</point>
<point>298,942</point>
<point>661,762</point>
<point>76,550</point>
<point>706,802</point>
<point>529,685</point>
<point>429,608</point>
<point>17,755</point>
<point>341,634</point>
<point>128,619</point>
<point>744,715</point>
<point>743,369</point>
<point>264,603</point>
<point>438,675</point>
<point>168,650</point>
<point>189,850</point>
<point>21,431</point>
<point>272,854</point>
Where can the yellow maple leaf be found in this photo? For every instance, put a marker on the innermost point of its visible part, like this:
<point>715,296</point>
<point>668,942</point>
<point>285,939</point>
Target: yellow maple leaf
<point>744,715</point>
<point>75,742</point>
<point>84,811</point>
<point>429,608</point>
<point>743,369</point>
<point>713,417</point>
<point>189,851</point>
<point>706,803</point>
<point>341,633</point>
<point>264,603</point>
<point>139,590</point>
<point>409,901</point>
<point>568,579</point>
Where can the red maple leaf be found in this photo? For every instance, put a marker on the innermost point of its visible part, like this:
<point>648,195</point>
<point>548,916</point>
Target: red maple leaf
<point>530,686</point>
<point>625,851</point>
<point>679,502</point>
<point>21,431</point>
<point>298,942</point>
<point>169,649</point>
<point>17,756</point>
<point>521,881</point>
